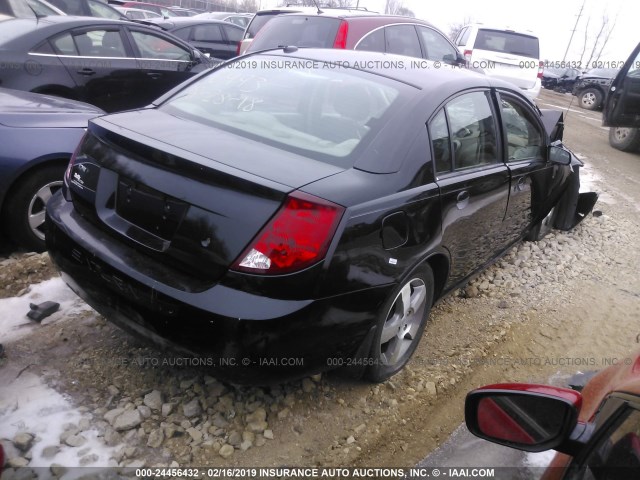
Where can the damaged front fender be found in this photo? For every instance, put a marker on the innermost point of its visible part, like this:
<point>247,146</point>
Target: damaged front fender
<point>574,206</point>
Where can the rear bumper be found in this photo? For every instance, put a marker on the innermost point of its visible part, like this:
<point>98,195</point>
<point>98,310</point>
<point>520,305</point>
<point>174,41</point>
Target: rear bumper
<point>244,338</point>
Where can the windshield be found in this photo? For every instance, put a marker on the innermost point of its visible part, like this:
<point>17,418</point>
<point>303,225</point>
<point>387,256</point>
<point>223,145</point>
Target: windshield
<point>293,104</point>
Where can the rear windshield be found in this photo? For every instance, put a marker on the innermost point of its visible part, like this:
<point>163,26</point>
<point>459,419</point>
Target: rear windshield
<point>508,42</point>
<point>294,104</point>
<point>298,30</point>
<point>260,20</point>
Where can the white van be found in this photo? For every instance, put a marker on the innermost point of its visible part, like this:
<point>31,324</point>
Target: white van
<point>511,55</point>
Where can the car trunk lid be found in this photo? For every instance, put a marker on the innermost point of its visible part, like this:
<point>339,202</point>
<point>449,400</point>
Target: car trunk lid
<point>193,200</point>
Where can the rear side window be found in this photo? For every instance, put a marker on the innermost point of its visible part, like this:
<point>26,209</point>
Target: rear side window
<point>463,36</point>
<point>301,31</point>
<point>182,33</point>
<point>508,42</point>
<point>233,34</point>
<point>373,42</point>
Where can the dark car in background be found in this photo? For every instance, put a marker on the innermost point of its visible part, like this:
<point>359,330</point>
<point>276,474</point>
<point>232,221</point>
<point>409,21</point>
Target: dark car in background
<point>358,30</point>
<point>217,38</point>
<point>38,134</point>
<point>622,106</point>
<point>592,87</point>
<point>596,432</point>
<point>297,218</point>
<point>560,79</point>
<point>115,65</point>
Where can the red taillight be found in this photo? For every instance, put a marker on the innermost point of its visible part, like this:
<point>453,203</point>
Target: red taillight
<point>540,69</point>
<point>341,36</point>
<point>295,238</point>
<point>467,55</point>
<point>238,48</point>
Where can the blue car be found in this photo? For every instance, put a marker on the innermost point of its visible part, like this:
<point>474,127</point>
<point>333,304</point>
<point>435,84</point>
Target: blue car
<point>38,134</point>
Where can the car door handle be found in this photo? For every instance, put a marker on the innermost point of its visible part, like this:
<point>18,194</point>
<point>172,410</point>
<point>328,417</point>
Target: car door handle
<point>86,72</point>
<point>154,75</point>
<point>462,199</point>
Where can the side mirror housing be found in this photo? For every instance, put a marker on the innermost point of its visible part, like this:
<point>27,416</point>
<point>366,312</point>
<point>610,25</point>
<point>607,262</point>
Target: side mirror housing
<point>527,417</point>
<point>559,155</point>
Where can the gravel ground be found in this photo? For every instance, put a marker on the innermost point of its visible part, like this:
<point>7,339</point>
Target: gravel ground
<point>155,414</point>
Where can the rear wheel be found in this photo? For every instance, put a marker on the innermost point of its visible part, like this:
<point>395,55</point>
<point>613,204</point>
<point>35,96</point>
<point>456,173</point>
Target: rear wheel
<point>400,326</point>
<point>25,207</point>
<point>590,99</point>
<point>625,139</point>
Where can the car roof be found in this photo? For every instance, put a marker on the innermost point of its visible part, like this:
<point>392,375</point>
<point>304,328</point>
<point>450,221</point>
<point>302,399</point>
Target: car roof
<point>179,22</point>
<point>502,28</point>
<point>417,72</point>
<point>353,14</point>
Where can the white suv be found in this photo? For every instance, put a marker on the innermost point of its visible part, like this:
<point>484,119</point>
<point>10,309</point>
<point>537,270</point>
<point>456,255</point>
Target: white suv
<point>504,53</point>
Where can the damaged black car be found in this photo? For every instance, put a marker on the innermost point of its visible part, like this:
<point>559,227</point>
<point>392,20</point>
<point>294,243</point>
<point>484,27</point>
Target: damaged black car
<point>286,221</point>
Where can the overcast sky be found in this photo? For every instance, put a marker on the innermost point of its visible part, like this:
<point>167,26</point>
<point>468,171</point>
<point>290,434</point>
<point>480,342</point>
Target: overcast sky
<point>551,20</point>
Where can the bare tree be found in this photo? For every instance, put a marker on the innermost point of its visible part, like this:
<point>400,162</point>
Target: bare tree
<point>603,36</point>
<point>248,6</point>
<point>406,12</point>
<point>393,7</point>
<point>606,37</point>
<point>454,28</point>
<point>586,37</point>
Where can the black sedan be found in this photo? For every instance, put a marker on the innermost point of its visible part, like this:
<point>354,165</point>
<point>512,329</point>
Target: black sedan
<point>113,64</point>
<point>560,79</point>
<point>297,211</point>
<point>217,38</point>
<point>31,171</point>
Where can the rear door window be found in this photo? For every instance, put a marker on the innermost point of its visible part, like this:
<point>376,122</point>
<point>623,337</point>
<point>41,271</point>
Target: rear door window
<point>403,40</point>
<point>207,33</point>
<point>508,42</point>
<point>436,45</point>
<point>473,130</point>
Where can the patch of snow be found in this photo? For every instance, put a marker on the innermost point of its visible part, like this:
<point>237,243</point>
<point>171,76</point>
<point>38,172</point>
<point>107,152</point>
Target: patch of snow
<point>539,460</point>
<point>14,322</point>
<point>28,405</point>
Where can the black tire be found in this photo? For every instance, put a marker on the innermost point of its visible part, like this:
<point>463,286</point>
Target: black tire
<point>25,205</point>
<point>625,139</point>
<point>590,99</point>
<point>403,326</point>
